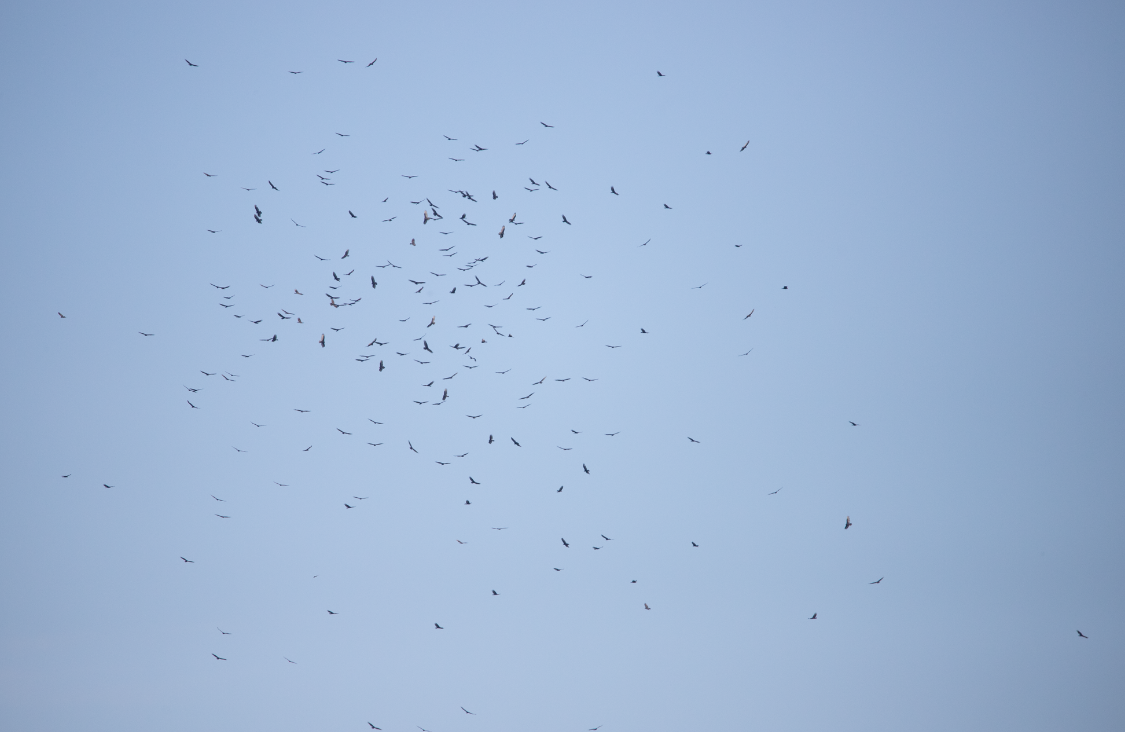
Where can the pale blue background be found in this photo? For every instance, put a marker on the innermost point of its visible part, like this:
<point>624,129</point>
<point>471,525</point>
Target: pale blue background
<point>939,185</point>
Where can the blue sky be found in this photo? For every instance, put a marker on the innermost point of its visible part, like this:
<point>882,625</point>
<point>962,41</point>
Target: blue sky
<point>926,224</point>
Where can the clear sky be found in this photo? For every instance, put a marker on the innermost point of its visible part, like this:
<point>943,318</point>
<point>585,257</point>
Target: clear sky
<point>919,203</point>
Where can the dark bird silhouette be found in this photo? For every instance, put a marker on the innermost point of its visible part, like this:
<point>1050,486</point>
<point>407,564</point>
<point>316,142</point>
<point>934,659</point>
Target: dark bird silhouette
<point>694,440</point>
<point>189,561</point>
<point>473,481</point>
<point>695,545</point>
<point>347,506</point>
<point>369,66</point>
<point>560,489</point>
<point>411,446</point>
<point>545,124</point>
<point>192,406</point>
<point>853,424</point>
<point>189,63</point>
<point>659,74</point>
<point>222,631</point>
<point>565,221</point>
<point>352,214</point>
<point>848,522</point>
<point>813,617</point>
<point>585,468</point>
<point>876,581</point>
<point>1080,635</point>
<point>438,627</point>
<point>779,489</point>
<point>516,443</point>
<point>332,613</point>
<point>220,658</point>
<point>463,709</point>
<point>345,62</point>
<point>271,186</point>
<point>744,146</point>
<point>751,313</point>
<point>565,544</point>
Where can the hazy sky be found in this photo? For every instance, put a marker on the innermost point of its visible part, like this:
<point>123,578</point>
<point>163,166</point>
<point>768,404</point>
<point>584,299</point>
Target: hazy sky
<point>926,222</point>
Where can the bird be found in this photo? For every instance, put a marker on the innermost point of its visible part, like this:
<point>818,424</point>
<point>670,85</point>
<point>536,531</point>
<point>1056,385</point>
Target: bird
<point>474,482</point>
<point>585,468</point>
<point>606,537</point>
<point>853,424</point>
<point>744,146</point>
<point>770,494</point>
<point>189,561</point>
<point>438,627</point>
<point>751,313</point>
<point>545,124</point>
<point>848,522</point>
<point>695,545</point>
<point>352,214</point>
<point>189,63</point>
<point>694,440</point>
<point>647,607</point>
<point>565,544</point>
<point>347,506</point>
<point>222,631</point>
<point>659,74</point>
<point>463,709</point>
<point>1080,635</point>
<point>220,658</point>
<point>61,315</point>
<point>369,66</point>
<point>192,405</point>
<point>876,581</point>
<point>565,221</point>
<point>813,617</point>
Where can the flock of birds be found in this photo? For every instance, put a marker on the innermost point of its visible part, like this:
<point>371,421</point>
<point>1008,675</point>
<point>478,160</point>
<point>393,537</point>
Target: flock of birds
<point>460,343</point>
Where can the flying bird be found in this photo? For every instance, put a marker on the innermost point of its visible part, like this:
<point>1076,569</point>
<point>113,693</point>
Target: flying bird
<point>1083,636</point>
<point>189,63</point>
<point>813,617</point>
<point>565,544</point>
<point>220,658</point>
<point>848,522</point>
<point>876,581</point>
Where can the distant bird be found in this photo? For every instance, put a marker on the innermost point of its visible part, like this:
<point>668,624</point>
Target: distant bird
<point>222,631</point>
<point>745,146</point>
<point>347,506</point>
<point>647,607</point>
<point>813,617</point>
<point>369,66</point>
<point>1083,636</point>
<point>695,545</point>
<point>560,489</point>
<point>853,424</point>
<point>694,440</point>
<point>545,124</point>
<point>352,214</point>
<point>61,315</point>
<point>614,192</point>
<point>848,522</point>
<point>751,313</point>
<point>565,544</point>
<point>411,446</point>
<point>876,581</point>
<point>585,468</point>
<point>322,340</point>
<point>189,63</point>
<point>473,481</point>
<point>565,221</point>
<point>438,627</point>
<point>606,537</point>
<point>345,62</point>
<point>463,709</point>
<point>779,489</point>
<point>189,561</point>
<point>220,658</point>
<point>271,186</point>
<point>192,406</point>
